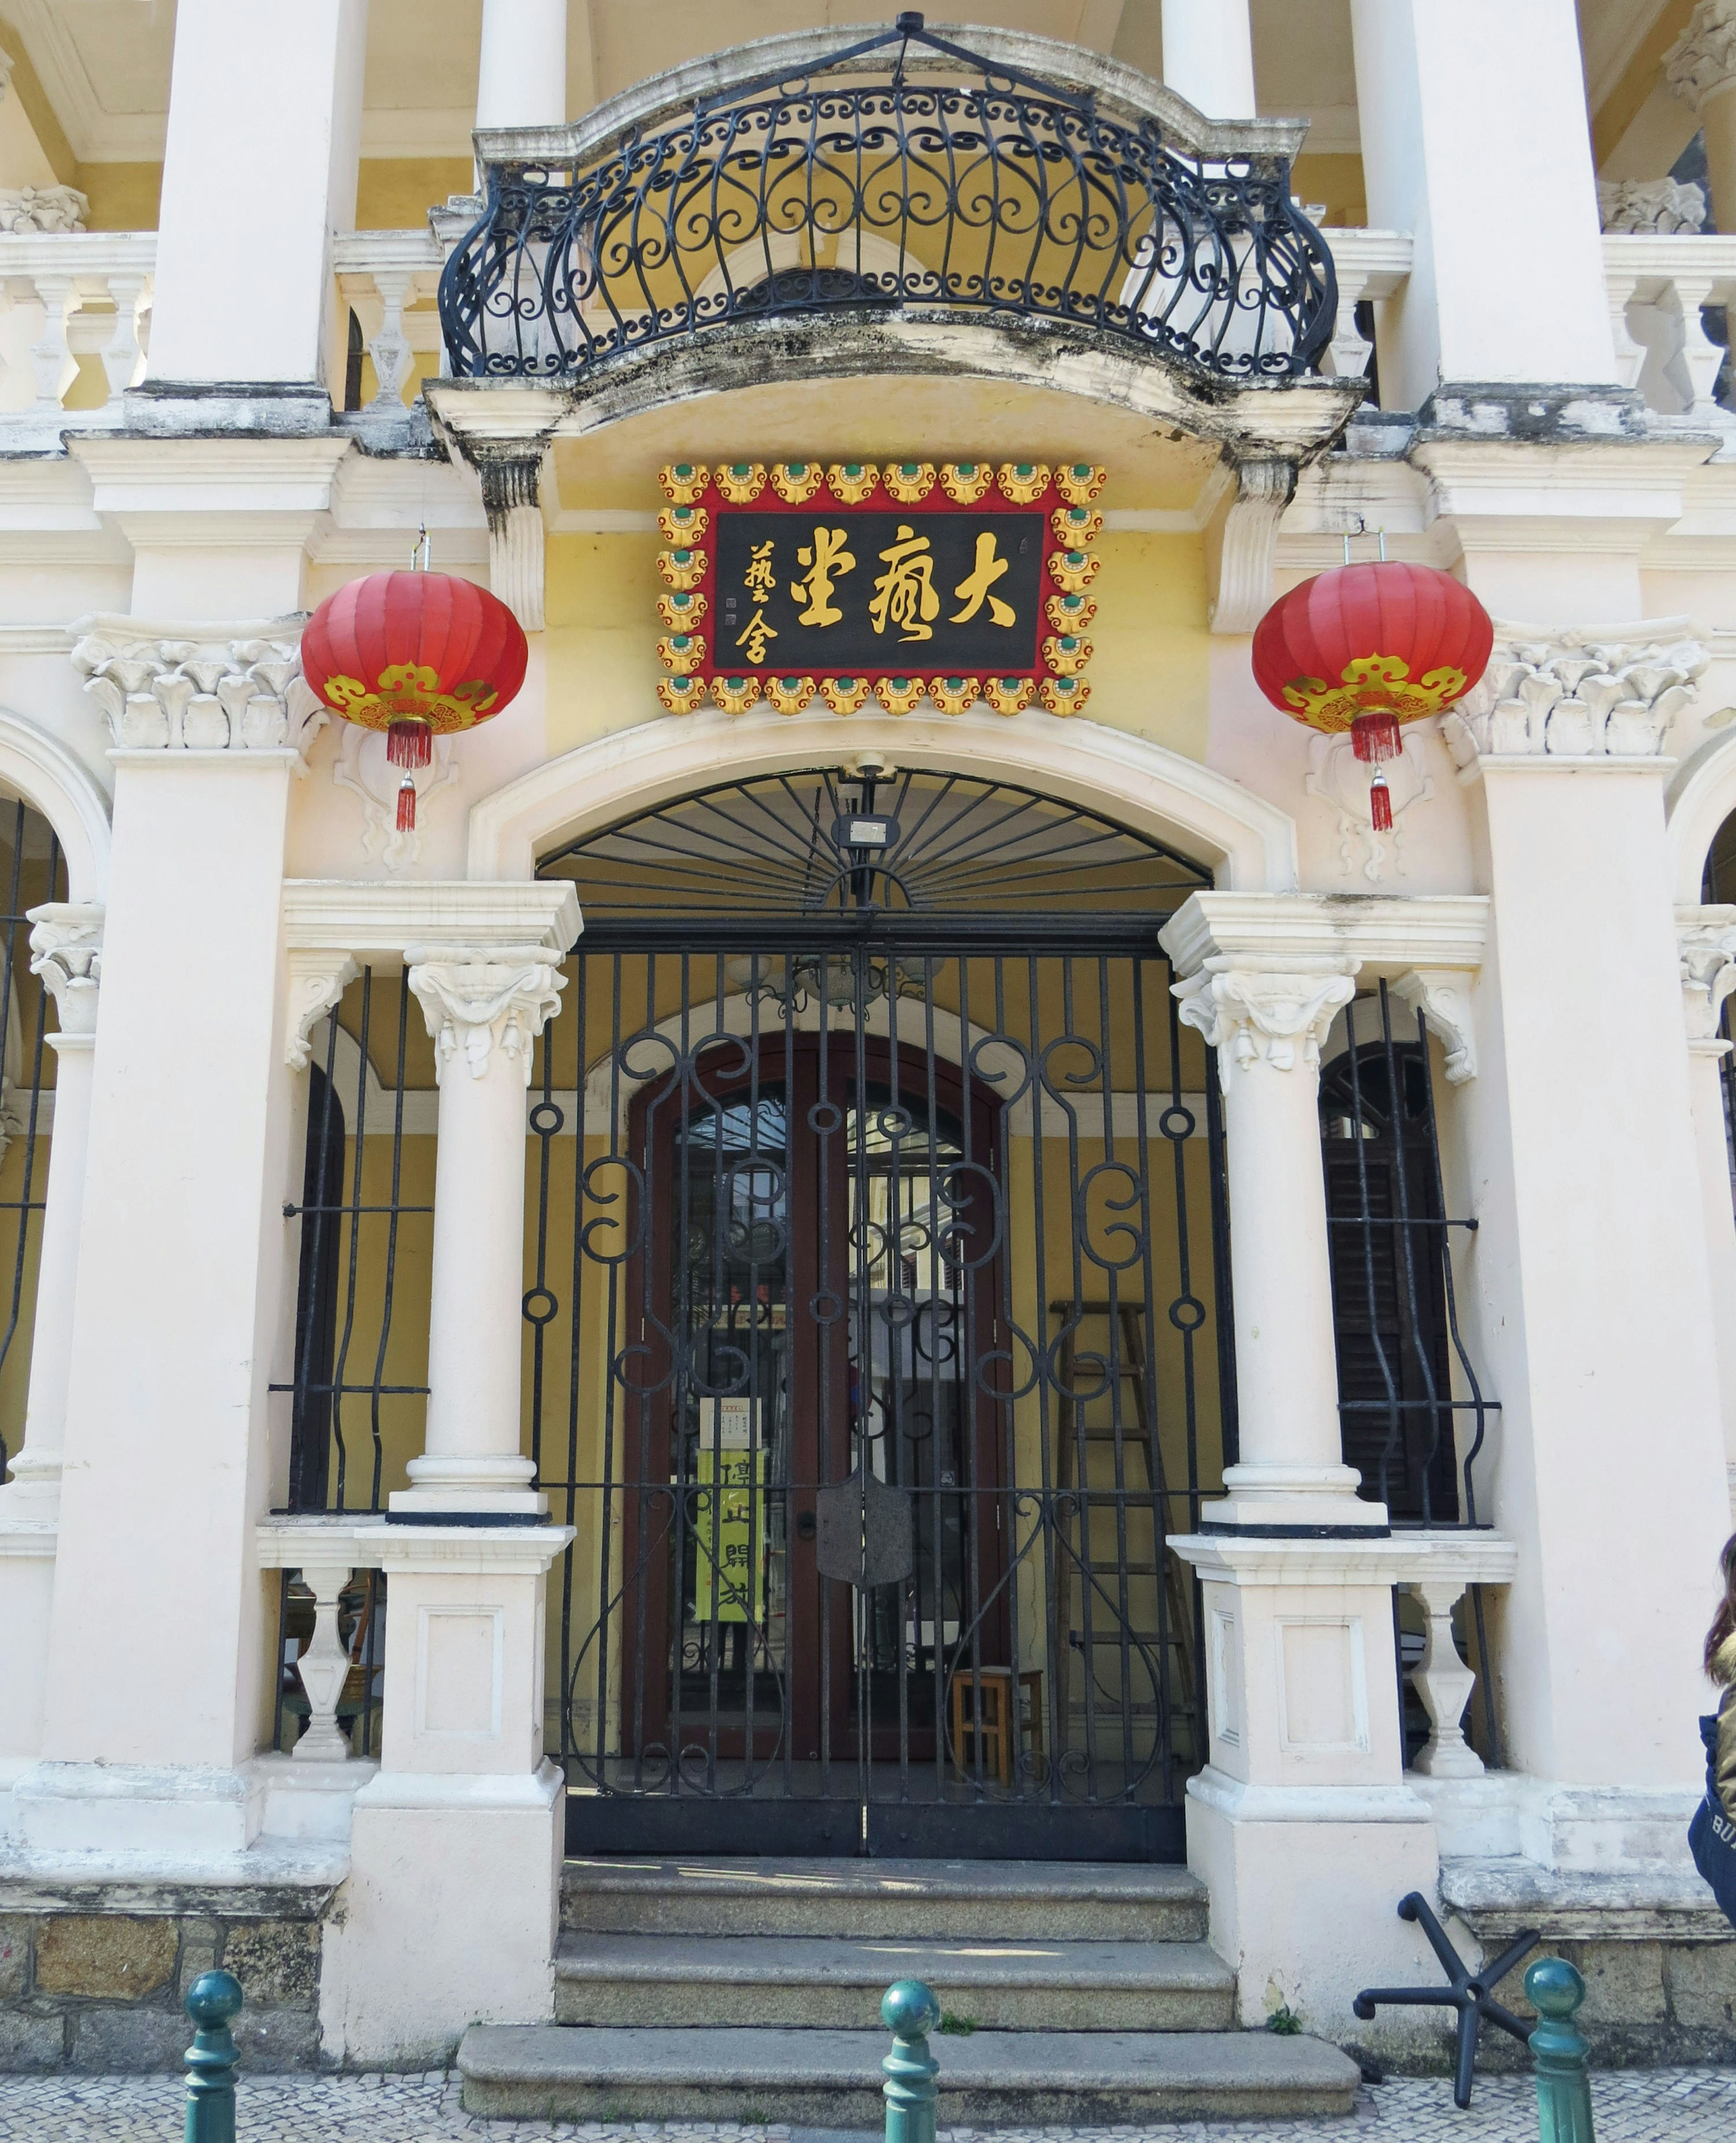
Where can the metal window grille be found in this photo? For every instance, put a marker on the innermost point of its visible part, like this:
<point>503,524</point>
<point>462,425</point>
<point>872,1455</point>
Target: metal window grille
<point>874,1343</point>
<point>34,872</point>
<point>357,1393</point>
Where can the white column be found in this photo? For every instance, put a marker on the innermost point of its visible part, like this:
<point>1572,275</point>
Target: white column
<point>522,79</point>
<point>1588,1296</point>
<point>160,1658</point>
<point>1706,942</point>
<point>66,947</point>
<point>1475,140</point>
<point>1267,1022</point>
<point>1208,56</point>
<point>484,1009</point>
<point>1700,67</point>
<point>259,171</point>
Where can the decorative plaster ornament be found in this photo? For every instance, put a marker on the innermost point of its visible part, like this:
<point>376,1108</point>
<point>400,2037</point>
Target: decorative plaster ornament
<point>1064,696</point>
<point>682,569</point>
<point>964,482</point>
<point>852,481</point>
<point>1333,776</point>
<point>844,695</point>
<point>790,695</point>
<point>682,610</point>
<point>1024,482</point>
<point>683,524</point>
<point>1070,613</point>
<point>1072,572</point>
<point>795,482</point>
<point>682,652</point>
<point>1076,526</point>
<point>1066,656</point>
<point>899,695</point>
<point>741,483</point>
<point>736,695</point>
<point>1009,696</point>
<point>681,695</point>
<point>364,766</point>
<point>1363,648</point>
<point>954,694</point>
<point>682,482</point>
<point>908,482</point>
<point>1079,482</point>
<point>417,654</point>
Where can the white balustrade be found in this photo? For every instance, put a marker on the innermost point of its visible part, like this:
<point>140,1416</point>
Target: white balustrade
<point>388,278</point>
<point>1658,283</point>
<point>1442,1678</point>
<point>64,295</point>
<point>1371,264</point>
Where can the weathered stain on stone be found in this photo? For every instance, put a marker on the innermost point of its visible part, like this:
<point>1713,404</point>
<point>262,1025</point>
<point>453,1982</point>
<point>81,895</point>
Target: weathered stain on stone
<point>105,1958</point>
<point>276,1961</point>
<point>14,1955</point>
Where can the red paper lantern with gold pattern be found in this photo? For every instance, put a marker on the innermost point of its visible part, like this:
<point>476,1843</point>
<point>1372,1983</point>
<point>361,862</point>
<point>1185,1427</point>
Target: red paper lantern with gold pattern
<point>1365,648</point>
<point>417,654</point>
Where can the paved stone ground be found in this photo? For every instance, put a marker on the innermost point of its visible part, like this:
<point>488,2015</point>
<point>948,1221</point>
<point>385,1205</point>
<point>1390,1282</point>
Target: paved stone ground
<point>1632,2105</point>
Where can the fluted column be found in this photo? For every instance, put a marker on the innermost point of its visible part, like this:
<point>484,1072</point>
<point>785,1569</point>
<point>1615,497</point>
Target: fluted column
<point>1700,66</point>
<point>1267,1021</point>
<point>66,950</point>
<point>484,1009</point>
<point>1208,56</point>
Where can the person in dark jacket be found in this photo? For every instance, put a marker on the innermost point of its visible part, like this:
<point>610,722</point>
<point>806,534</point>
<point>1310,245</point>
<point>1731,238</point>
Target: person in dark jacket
<point>1712,1835</point>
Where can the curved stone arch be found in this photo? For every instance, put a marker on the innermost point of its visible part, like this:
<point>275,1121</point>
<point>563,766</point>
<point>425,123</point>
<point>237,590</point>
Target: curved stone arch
<point>42,770</point>
<point>1701,796</point>
<point>1249,844</point>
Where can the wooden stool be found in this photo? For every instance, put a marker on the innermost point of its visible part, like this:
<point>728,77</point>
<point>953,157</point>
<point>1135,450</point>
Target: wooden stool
<point>988,1693</point>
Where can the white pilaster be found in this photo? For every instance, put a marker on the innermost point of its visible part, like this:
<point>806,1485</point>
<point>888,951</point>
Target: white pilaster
<point>1208,56</point>
<point>66,947</point>
<point>1266,1019</point>
<point>1425,85</point>
<point>243,282</point>
<point>484,1009</point>
<point>522,78</point>
<point>1706,942</point>
<point>1589,1296</point>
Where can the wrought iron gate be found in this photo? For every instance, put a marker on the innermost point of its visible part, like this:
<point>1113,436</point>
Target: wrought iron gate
<point>878,1341</point>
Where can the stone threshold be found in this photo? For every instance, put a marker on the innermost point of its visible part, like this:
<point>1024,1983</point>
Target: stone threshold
<point>275,1878</point>
<point>1498,1897</point>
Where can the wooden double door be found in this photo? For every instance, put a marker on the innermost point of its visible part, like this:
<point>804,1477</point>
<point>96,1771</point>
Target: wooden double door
<point>814,1500</point>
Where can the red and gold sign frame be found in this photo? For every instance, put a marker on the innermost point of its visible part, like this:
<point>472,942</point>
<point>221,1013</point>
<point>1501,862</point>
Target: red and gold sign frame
<point>871,552</point>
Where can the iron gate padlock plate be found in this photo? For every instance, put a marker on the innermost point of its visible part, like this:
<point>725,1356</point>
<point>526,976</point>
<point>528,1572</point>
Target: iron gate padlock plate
<point>866,1536</point>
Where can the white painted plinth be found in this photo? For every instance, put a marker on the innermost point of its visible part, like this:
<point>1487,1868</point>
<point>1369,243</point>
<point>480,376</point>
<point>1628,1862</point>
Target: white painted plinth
<point>150,1809</point>
<point>310,1799</point>
<point>449,1917</point>
<point>27,1599</point>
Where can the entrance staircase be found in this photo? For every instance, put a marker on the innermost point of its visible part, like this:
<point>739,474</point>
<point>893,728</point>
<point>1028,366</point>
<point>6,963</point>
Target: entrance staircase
<point>748,1990</point>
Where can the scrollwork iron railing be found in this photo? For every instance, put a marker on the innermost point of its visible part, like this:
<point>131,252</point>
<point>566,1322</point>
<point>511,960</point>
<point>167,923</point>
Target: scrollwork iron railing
<point>1002,194</point>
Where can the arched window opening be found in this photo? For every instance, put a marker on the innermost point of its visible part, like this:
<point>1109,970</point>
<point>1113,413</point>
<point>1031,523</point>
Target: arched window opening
<point>31,871</point>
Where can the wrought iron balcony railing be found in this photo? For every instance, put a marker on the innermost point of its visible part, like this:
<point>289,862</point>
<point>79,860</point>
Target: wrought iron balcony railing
<point>990,190</point>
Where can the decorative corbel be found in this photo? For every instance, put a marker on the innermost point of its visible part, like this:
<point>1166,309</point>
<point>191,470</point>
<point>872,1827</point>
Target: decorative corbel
<point>511,497</point>
<point>1443,995</point>
<point>1242,542</point>
<point>318,978</point>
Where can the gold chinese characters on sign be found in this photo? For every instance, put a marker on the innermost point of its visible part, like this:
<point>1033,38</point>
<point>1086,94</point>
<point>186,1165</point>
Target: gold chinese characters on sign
<point>958,582</point>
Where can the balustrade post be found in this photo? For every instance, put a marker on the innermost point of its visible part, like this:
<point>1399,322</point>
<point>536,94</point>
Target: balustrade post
<point>52,353</point>
<point>390,348</point>
<point>324,1667</point>
<point>122,354</point>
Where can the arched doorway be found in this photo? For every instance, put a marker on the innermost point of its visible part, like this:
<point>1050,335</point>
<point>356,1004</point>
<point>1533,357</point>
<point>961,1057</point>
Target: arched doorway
<point>875,1287</point>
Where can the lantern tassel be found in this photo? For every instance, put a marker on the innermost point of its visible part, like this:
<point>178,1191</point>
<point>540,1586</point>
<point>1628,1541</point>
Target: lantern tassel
<point>409,744</point>
<point>407,806</point>
<point>1374,737</point>
<point>1380,803</point>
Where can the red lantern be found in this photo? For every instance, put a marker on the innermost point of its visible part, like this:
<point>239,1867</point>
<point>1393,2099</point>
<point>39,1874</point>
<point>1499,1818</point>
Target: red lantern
<point>1364,648</point>
<point>416,654</point>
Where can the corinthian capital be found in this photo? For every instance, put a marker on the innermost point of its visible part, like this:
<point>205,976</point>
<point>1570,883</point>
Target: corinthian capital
<point>1702,60</point>
<point>476,999</point>
<point>66,950</point>
<point>1253,1014</point>
<point>200,687</point>
<point>1578,693</point>
<point>1706,948</point>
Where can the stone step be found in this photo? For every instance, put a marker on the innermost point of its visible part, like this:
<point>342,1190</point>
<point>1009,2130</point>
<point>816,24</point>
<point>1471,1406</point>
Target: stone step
<point>935,1900</point>
<point>805,1983</point>
<point>833,2079</point>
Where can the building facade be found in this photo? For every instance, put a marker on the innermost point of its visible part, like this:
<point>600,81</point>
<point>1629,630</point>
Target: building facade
<point>971,1265</point>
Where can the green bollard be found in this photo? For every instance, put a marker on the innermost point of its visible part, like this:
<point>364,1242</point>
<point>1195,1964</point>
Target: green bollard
<point>212,1999</point>
<point>910,2013</point>
<point>1555,1990</point>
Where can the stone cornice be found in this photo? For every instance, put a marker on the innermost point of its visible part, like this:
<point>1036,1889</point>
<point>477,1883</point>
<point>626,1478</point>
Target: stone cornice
<point>371,917</point>
<point>1384,934</point>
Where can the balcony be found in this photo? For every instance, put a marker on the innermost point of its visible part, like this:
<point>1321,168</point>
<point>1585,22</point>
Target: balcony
<point>903,171</point>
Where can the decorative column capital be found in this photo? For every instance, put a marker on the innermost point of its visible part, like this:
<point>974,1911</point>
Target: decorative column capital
<point>1577,692</point>
<point>1702,61</point>
<point>319,976</point>
<point>1654,206</point>
<point>43,208</point>
<point>1706,952</point>
<point>66,951</point>
<point>1279,1015</point>
<point>476,999</point>
<point>199,687</point>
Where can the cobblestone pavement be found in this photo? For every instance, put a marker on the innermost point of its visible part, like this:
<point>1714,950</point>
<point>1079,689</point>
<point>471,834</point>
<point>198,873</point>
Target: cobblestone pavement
<point>1632,2105</point>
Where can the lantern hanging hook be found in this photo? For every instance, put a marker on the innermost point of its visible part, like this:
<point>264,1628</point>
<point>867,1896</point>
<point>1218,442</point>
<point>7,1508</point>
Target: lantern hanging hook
<point>423,552</point>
